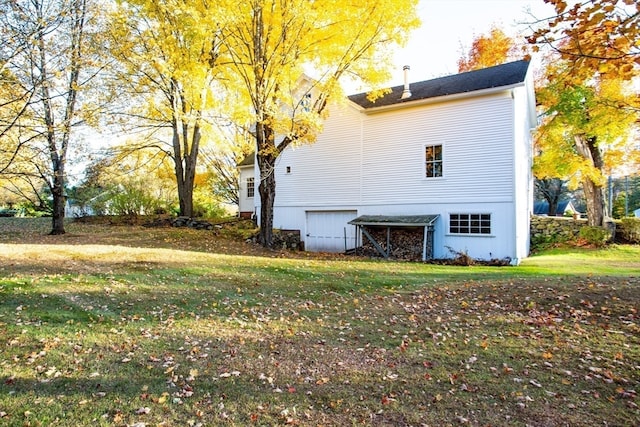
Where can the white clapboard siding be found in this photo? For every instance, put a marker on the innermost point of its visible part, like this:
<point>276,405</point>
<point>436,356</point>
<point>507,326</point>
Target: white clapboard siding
<point>477,137</point>
<point>386,162</point>
<point>326,171</point>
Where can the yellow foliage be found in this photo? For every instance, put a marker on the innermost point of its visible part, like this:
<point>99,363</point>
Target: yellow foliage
<point>273,43</point>
<point>602,110</point>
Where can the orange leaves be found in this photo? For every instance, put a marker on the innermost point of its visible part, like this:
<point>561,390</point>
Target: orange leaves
<point>488,50</point>
<point>594,32</point>
<point>321,381</point>
<point>385,400</point>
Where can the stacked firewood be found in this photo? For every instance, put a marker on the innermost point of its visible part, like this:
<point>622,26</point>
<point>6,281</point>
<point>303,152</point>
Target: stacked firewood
<point>405,243</point>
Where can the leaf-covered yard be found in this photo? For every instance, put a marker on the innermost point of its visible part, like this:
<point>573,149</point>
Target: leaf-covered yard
<point>110,326</point>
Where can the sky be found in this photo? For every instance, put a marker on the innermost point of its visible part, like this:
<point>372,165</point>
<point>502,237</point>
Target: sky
<point>449,27</point>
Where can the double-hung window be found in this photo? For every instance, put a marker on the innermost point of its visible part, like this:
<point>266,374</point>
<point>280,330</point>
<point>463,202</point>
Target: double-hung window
<point>250,187</point>
<point>466,223</point>
<point>433,161</point>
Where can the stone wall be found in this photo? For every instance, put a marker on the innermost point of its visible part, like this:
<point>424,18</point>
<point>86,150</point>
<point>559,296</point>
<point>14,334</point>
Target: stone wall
<point>556,227</point>
<point>287,239</point>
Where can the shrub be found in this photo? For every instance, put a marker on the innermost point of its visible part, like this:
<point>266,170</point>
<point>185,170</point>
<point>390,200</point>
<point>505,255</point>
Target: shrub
<point>629,229</point>
<point>545,241</point>
<point>132,202</point>
<point>597,236</point>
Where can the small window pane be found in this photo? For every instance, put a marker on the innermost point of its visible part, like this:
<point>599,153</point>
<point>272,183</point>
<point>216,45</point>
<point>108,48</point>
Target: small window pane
<point>438,152</point>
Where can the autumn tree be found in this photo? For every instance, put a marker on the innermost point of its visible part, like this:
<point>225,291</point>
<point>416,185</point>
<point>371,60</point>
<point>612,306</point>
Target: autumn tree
<point>488,50</point>
<point>168,54</point>
<point>594,35</point>
<point>590,111</point>
<point>54,57</point>
<point>272,43</point>
<point>551,190</point>
<point>586,132</point>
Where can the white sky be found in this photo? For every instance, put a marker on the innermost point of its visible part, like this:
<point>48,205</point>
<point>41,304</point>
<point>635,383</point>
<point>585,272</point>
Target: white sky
<point>449,27</point>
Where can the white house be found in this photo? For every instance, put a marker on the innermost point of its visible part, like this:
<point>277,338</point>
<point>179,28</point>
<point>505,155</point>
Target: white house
<point>451,155</point>
<point>247,188</point>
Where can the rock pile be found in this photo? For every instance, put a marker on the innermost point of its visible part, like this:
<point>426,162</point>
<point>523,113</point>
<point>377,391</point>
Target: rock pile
<point>181,221</point>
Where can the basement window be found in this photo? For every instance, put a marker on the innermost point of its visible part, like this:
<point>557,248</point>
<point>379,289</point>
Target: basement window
<point>470,223</point>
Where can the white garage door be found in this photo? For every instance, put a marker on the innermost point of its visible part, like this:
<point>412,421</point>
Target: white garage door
<point>326,231</point>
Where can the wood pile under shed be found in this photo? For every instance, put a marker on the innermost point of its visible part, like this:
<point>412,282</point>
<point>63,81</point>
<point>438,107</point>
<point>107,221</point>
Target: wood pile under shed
<point>406,237</point>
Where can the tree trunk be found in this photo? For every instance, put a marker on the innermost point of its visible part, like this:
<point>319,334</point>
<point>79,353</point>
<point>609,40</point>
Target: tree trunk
<point>266,156</point>
<point>594,196</point>
<point>267,190</point>
<point>185,154</point>
<point>186,200</point>
<point>190,161</point>
<point>185,175</point>
<point>553,205</point>
<point>593,192</point>
<point>57,191</point>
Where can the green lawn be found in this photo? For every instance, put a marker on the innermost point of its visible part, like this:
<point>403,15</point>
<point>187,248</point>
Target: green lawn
<point>110,326</point>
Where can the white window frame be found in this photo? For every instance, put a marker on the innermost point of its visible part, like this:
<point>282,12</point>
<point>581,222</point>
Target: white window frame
<point>424,160</point>
<point>251,187</point>
<point>469,226</point>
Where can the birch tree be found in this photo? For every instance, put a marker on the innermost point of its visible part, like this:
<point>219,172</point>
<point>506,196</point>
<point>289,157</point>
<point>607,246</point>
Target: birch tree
<point>273,42</point>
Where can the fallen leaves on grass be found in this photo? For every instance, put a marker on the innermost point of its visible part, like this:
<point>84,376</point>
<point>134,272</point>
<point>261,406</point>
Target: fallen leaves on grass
<point>307,344</point>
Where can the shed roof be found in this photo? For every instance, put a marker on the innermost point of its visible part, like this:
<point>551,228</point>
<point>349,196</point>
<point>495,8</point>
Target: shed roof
<point>508,74</point>
<point>395,220</point>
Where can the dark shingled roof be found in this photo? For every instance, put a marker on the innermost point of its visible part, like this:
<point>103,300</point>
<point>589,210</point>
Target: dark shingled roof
<point>542,208</point>
<point>249,160</point>
<point>493,77</point>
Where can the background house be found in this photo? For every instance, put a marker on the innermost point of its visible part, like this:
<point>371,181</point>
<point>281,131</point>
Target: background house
<point>565,207</point>
<point>247,187</point>
<point>453,153</point>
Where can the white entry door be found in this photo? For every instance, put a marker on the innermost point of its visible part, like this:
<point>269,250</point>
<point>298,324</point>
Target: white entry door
<point>327,231</point>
